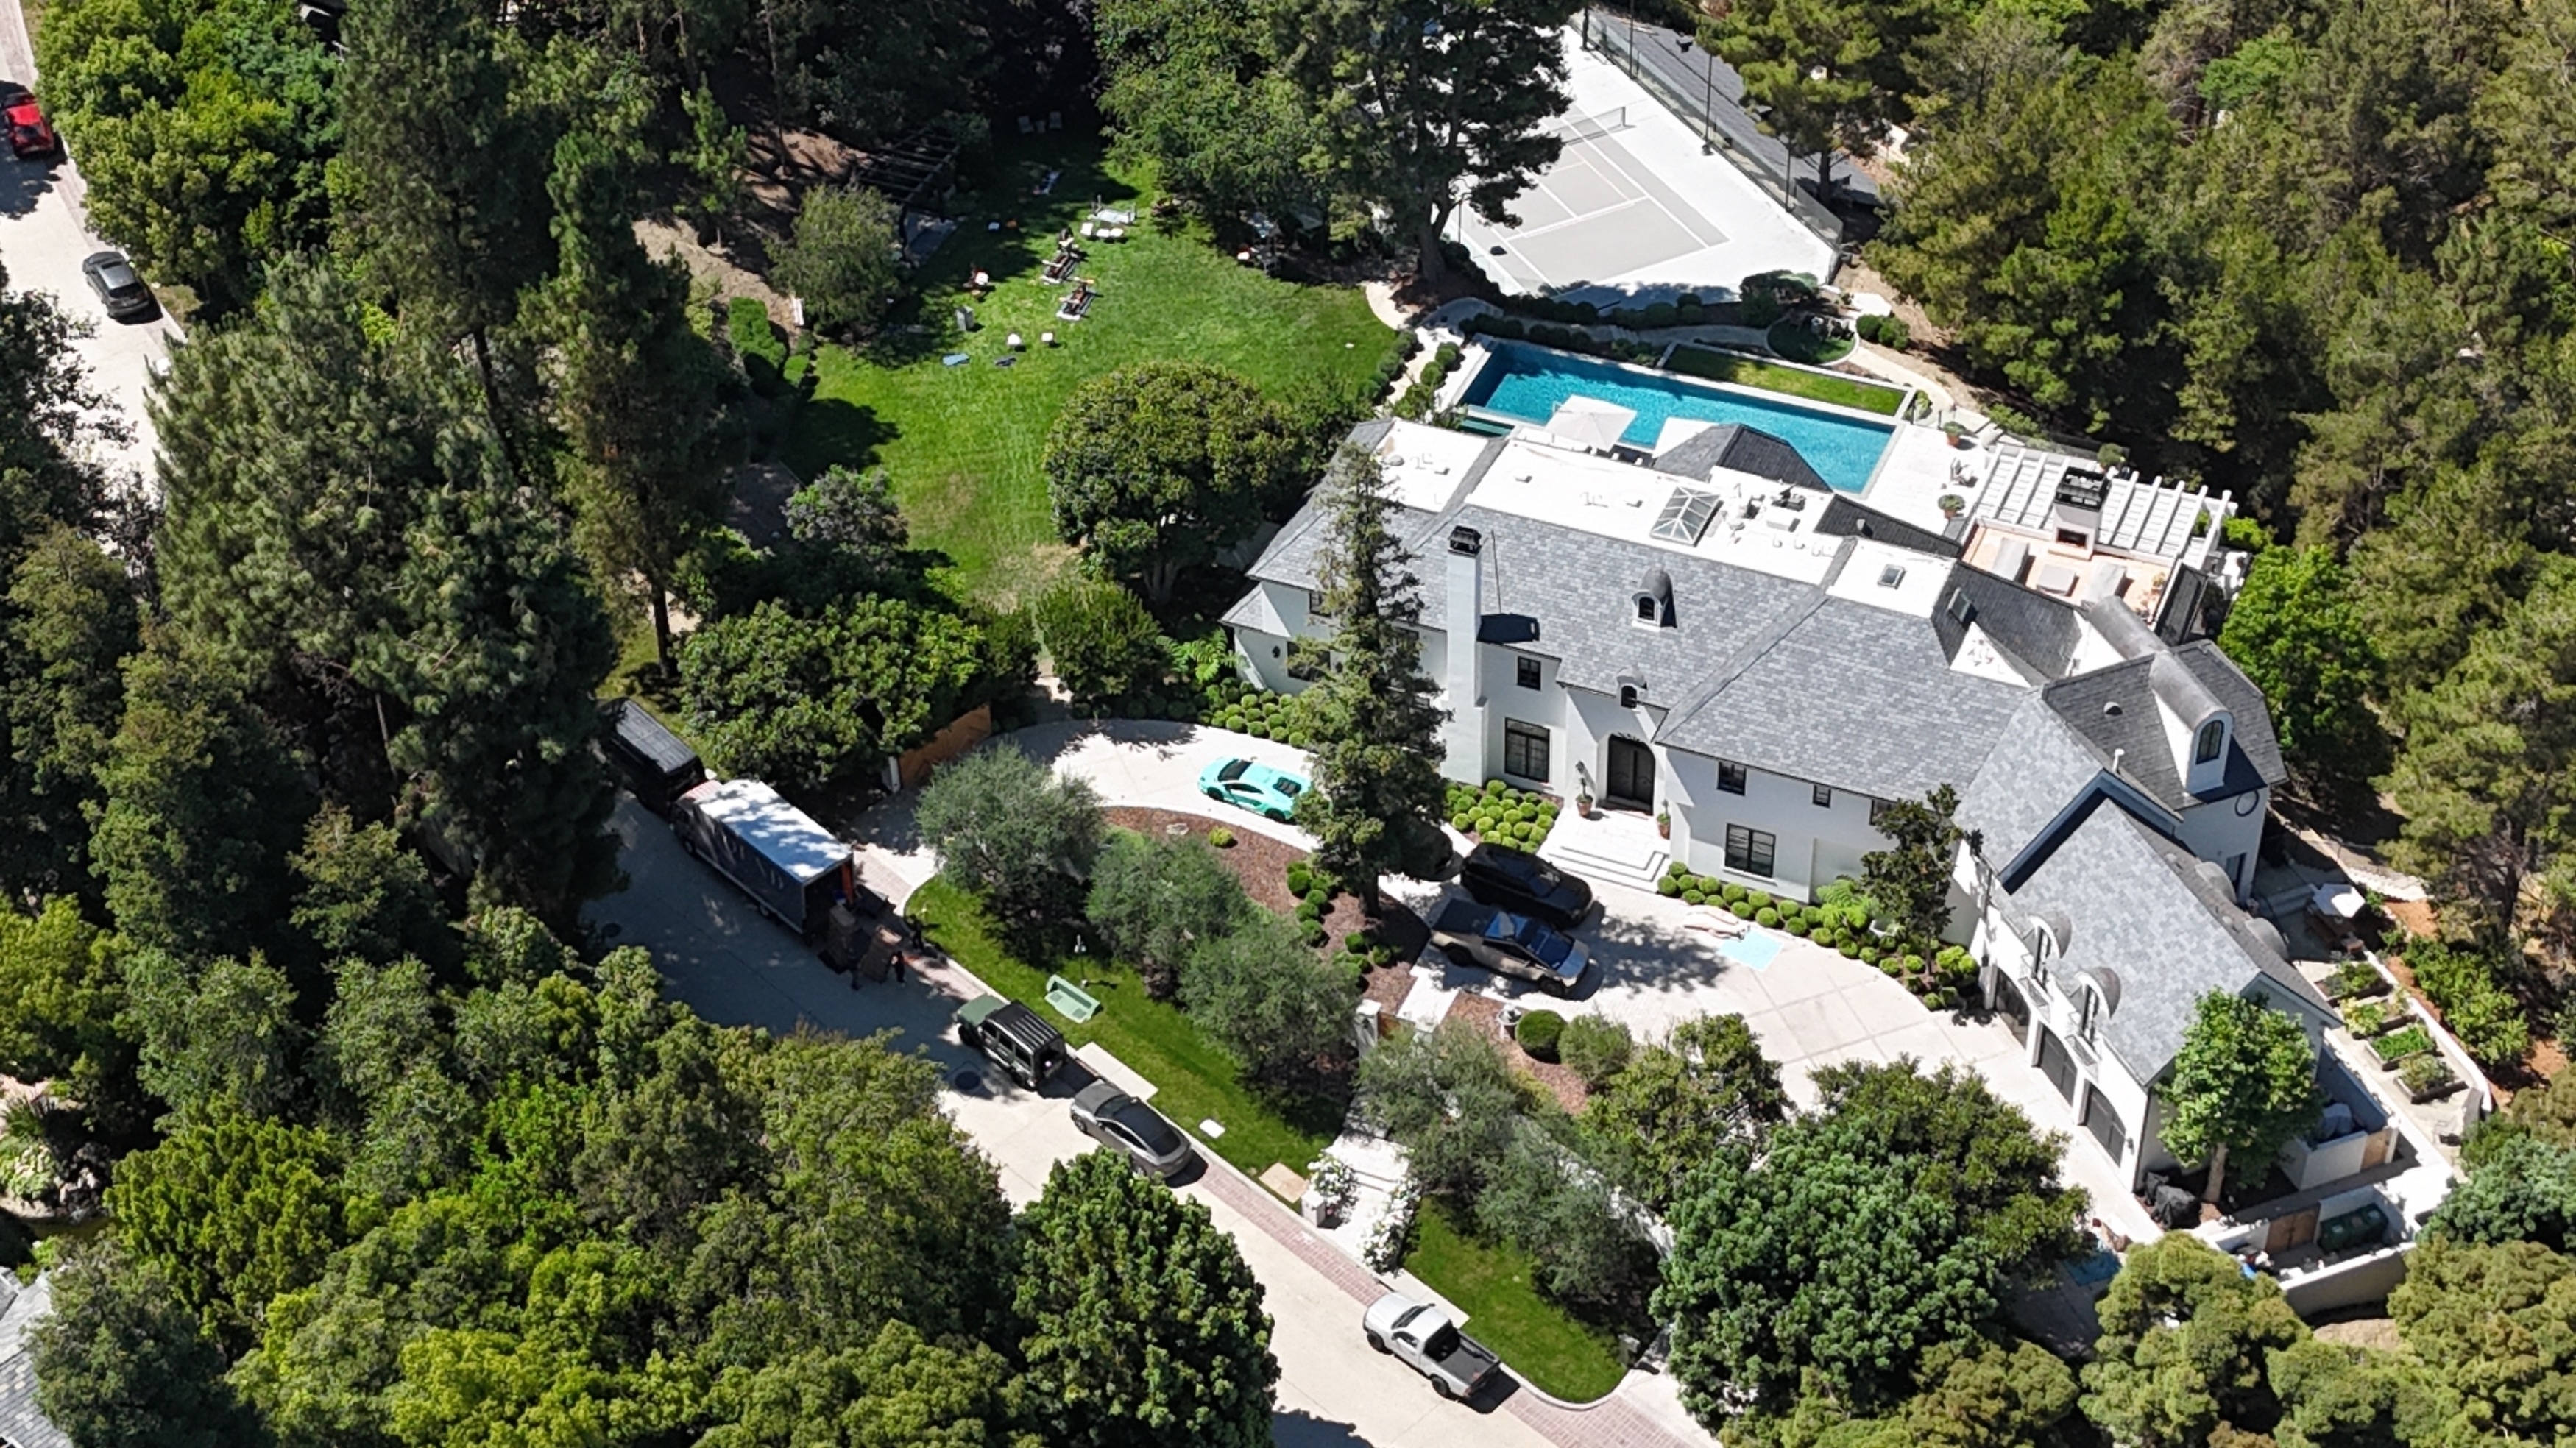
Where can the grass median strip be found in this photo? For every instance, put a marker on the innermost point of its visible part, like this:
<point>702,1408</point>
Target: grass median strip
<point>1195,1080</point>
<point>1790,381</point>
<point>1558,1353</point>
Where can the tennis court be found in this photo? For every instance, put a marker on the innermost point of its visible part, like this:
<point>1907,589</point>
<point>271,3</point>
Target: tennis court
<point>1634,202</point>
<point>1600,213</point>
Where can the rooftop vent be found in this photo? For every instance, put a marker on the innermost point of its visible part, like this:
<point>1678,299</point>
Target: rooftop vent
<point>1685,516</point>
<point>1466,540</point>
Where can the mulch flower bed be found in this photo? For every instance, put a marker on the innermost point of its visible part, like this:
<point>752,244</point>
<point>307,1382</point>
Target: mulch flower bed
<point>1262,862</point>
<point>1484,1013</point>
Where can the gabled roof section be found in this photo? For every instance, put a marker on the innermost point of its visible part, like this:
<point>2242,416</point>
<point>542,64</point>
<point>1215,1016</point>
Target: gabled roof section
<point>1741,449</point>
<point>2035,773</point>
<point>2147,913</point>
<point>2041,631</point>
<point>2114,711</point>
<point>1572,595</point>
<point>22,1423</point>
<point>1848,695</point>
<point>1843,518</point>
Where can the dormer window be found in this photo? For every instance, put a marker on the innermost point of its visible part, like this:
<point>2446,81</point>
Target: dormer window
<point>1653,600</point>
<point>2213,738</point>
<point>2088,1013</point>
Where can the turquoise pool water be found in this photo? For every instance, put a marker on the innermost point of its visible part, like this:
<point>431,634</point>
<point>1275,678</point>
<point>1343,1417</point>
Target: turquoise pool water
<point>1530,383</point>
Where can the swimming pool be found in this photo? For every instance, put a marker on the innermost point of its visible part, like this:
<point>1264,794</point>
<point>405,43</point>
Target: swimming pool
<point>1530,383</point>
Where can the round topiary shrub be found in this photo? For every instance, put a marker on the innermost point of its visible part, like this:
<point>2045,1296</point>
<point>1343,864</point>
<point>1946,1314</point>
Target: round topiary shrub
<point>1869,953</point>
<point>1257,730</point>
<point>1812,914</point>
<point>1850,949</point>
<point>1795,925</point>
<point>1891,969</point>
<point>1538,1033</point>
<point>1693,897</point>
<point>1495,786</point>
<point>1766,916</point>
<point>1315,933</point>
<point>1735,892</point>
<point>1761,899</point>
<point>1669,888</point>
<point>1743,909</point>
<point>1677,870</point>
<point>1463,824</point>
<point>1309,911</point>
<point>1301,877</point>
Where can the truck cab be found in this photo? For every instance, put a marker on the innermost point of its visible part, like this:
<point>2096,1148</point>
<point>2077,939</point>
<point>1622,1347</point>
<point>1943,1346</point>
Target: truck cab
<point>1424,1339</point>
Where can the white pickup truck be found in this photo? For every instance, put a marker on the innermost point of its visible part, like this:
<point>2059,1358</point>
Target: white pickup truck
<point>1425,1339</point>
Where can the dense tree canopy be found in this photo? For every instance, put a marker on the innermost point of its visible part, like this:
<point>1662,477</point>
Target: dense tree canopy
<point>202,127</point>
<point>2295,633</point>
<point>1012,832</point>
<point>1140,1323</point>
<point>1423,103</point>
<point>806,701</point>
<point>2244,1084</point>
<point>1194,88</point>
<point>1857,1239</point>
<point>1681,1100</point>
<point>1154,900</point>
<point>1159,466</point>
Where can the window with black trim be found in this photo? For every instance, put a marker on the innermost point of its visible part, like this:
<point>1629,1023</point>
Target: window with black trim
<point>1824,796</point>
<point>2088,1013</point>
<point>1877,807</point>
<point>1528,671</point>
<point>1524,750</point>
<point>1315,604</point>
<point>1750,851</point>
<point>1730,777</point>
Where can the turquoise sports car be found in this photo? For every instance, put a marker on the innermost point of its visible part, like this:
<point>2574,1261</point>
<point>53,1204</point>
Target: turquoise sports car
<point>1259,788</point>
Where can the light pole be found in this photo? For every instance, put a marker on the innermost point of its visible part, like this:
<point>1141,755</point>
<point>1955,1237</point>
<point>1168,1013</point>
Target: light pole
<point>1707,96</point>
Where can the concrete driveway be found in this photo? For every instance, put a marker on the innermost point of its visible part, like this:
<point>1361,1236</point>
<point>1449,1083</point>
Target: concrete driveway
<point>735,966</point>
<point>44,234</point>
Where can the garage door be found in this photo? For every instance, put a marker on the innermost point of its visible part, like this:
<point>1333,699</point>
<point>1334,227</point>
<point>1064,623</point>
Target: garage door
<point>2104,1123</point>
<point>2055,1064</point>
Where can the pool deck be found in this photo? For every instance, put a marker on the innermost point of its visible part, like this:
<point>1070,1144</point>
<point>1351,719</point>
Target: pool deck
<point>1918,468</point>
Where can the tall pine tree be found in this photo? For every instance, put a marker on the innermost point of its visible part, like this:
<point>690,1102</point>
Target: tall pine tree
<point>1376,728</point>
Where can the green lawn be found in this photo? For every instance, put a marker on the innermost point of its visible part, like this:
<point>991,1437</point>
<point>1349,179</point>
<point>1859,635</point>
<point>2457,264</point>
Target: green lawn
<point>1490,1281</point>
<point>1752,372</point>
<point>1195,1080</point>
<point>964,443</point>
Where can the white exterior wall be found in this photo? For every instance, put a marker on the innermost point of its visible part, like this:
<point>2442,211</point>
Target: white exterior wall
<point>2000,943</point>
<point>1544,707</point>
<point>2217,832</point>
<point>1816,844</point>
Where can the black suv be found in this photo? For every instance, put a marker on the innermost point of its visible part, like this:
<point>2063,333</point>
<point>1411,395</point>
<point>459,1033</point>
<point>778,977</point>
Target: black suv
<point>1524,884</point>
<point>1011,1036</point>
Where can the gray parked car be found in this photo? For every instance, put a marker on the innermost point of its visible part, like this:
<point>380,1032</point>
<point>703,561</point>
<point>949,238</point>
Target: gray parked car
<point>119,289</point>
<point>1121,1122</point>
<point>1508,944</point>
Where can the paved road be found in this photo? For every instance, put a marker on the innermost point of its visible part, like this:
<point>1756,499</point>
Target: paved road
<point>732,965</point>
<point>44,233</point>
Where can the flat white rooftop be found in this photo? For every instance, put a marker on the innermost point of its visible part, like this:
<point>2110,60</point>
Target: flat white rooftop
<point>783,834</point>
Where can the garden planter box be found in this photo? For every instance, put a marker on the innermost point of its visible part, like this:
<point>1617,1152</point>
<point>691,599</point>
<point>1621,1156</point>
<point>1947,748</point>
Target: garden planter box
<point>2434,1091</point>
<point>2394,1048</point>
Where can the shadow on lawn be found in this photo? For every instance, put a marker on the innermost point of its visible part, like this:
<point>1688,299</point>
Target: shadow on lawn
<point>836,430</point>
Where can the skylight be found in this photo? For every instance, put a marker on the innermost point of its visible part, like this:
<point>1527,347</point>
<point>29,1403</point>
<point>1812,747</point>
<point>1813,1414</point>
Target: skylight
<point>1686,516</point>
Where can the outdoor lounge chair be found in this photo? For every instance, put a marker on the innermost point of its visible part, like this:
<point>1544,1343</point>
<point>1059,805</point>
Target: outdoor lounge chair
<point>1076,302</point>
<point>1058,269</point>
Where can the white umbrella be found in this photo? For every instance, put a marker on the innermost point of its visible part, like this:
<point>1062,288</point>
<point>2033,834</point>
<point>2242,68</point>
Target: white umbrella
<point>2339,902</point>
<point>1591,422</point>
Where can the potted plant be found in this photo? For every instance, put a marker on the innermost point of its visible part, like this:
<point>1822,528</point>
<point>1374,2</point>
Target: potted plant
<point>1583,805</point>
<point>1664,823</point>
<point>1952,505</point>
<point>1957,435</point>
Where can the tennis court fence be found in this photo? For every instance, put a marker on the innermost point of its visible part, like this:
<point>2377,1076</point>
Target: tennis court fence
<point>1645,53</point>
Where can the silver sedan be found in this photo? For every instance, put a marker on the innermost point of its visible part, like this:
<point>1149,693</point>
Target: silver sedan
<point>1121,1122</point>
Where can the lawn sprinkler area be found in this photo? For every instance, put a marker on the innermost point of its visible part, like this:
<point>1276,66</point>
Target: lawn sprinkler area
<point>960,417</point>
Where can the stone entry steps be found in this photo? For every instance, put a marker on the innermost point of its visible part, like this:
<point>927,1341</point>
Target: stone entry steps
<point>1618,848</point>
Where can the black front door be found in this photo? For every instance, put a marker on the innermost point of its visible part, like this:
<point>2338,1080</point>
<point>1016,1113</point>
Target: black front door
<point>1632,774</point>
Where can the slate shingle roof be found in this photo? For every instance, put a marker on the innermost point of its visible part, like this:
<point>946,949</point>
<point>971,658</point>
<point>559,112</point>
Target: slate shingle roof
<point>2113,709</point>
<point>1737,448</point>
<point>1851,695</point>
<point>2147,913</point>
<point>22,1423</point>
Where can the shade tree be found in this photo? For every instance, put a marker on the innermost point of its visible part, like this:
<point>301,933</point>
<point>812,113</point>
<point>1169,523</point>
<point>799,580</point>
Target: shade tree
<point>121,1362</point>
<point>1423,104</point>
<point>1154,901</point>
<point>1261,991</point>
<point>1014,834</point>
<point>811,700</point>
<point>841,259</point>
<point>1159,466</point>
<point>1705,1086</point>
<point>2243,1084</point>
<point>1140,1324</point>
<point>68,619</point>
<point>2185,1333</point>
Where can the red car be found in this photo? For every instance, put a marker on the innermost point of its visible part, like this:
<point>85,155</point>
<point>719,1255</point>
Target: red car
<point>30,134</point>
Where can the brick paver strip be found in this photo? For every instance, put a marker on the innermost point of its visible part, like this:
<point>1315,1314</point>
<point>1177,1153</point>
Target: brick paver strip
<point>1609,1423</point>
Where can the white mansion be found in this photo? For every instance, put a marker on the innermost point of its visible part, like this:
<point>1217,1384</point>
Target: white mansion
<point>1715,636</point>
